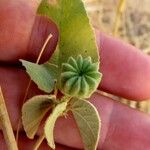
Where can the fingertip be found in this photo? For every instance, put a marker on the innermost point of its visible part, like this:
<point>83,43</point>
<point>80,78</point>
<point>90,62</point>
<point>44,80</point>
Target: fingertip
<point>125,69</point>
<point>22,33</point>
<point>120,124</point>
<point>42,28</point>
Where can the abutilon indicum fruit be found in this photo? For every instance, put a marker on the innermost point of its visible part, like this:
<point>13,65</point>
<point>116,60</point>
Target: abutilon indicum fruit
<point>79,77</point>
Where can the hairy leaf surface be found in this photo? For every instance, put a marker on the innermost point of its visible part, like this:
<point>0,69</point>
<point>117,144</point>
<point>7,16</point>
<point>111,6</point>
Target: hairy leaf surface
<point>76,34</point>
<point>33,112</point>
<point>88,121</point>
<point>50,123</point>
<point>43,75</point>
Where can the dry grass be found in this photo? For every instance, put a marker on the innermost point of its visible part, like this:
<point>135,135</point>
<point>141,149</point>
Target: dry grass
<point>130,22</point>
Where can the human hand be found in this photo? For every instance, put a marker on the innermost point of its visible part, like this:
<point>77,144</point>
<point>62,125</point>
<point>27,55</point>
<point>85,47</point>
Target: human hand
<point>125,73</point>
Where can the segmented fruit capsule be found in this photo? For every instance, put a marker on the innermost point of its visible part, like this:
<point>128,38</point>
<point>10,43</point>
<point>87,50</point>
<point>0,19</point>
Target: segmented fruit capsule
<point>79,77</point>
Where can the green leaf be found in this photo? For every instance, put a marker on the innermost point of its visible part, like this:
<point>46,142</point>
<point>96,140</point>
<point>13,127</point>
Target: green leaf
<point>33,112</point>
<point>43,75</point>
<point>55,57</point>
<point>88,121</point>
<point>50,9</point>
<point>50,123</point>
<point>76,34</point>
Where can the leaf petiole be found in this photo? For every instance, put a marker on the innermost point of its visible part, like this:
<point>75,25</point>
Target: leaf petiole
<point>39,142</point>
<point>29,84</point>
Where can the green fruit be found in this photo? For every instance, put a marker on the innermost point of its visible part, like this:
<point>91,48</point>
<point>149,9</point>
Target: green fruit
<point>79,77</point>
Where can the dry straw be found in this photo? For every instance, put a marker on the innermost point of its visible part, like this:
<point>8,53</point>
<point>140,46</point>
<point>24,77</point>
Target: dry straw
<point>6,125</point>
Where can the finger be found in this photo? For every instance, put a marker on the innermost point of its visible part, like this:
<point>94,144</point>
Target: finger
<point>126,70</point>
<point>22,33</point>
<point>120,124</point>
<point>14,83</point>
<point>122,76</point>
<point>122,127</point>
<point>42,28</point>
<point>14,89</point>
<point>26,144</point>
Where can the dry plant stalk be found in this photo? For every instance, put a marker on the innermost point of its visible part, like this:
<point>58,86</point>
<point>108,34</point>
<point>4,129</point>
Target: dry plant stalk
<point>43,48</point>
<point>39,142</point>
<point>120,10</point>
<point>29,84</point>
<point>6,125</point>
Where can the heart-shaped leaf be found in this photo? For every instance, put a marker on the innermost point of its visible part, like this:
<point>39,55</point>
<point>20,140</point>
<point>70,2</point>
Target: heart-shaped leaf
<point>76,34</point>
<point>33,112</point>
<point>50,123</point>
<point>43,75</point>
<point>88,121</point>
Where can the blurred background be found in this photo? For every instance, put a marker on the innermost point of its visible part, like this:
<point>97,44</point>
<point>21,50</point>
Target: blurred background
<point>128,20</point>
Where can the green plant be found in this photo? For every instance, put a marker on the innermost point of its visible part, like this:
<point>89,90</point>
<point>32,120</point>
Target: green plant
<point>73,70</point>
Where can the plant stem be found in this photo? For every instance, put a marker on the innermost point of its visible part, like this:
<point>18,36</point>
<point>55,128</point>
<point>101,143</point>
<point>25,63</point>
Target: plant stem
<point>19,122</point>
<point>55,89</point>
<point>29,84</point>
<point>6,125</point>
<point>98,91</point>
<point>120,10</point>
<point>39,142</point>
<point>43,48</point>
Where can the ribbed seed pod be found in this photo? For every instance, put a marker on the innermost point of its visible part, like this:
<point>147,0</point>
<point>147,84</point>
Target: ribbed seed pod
<point>79,77</point>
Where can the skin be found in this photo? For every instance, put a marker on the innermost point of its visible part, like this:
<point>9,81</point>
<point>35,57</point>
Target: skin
<point>125,73</point>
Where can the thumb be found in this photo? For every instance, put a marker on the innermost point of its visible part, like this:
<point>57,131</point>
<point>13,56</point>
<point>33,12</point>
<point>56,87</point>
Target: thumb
<point>22,32</point>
